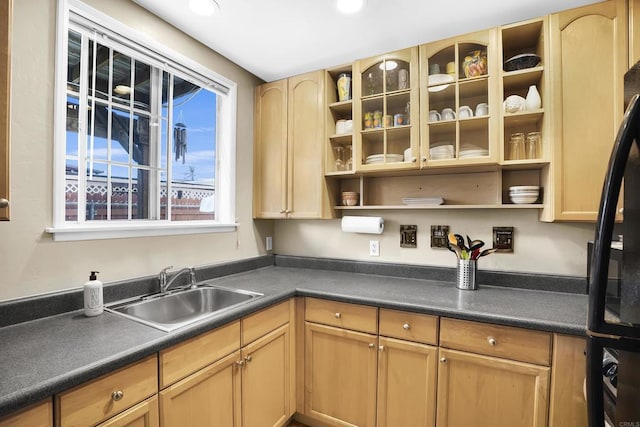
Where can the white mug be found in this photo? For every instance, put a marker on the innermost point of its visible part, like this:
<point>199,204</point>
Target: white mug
<point>434,116</point>
<point>448,114</point>
<point>465,112</point>
<point>408,155</point>
<point>482,109</point>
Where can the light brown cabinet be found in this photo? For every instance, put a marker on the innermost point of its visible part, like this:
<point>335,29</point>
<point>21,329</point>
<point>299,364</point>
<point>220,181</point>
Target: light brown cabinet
<point>144,414</point>
<point>100,399</point>
<point>589,59</point>
<point>491,375</point>
<point>355,377</point>
<point>568,406</point>
<point>38,415</point>
<point>211,396</point>
<point>229,385</point>
<point>289,148</point>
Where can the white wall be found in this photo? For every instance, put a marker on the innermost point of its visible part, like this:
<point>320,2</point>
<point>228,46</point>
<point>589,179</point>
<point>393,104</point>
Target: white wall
<point>30,261</point>
<point>551,248</point>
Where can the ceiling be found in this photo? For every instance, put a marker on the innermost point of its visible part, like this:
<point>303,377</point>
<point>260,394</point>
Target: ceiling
<point>279,38</point>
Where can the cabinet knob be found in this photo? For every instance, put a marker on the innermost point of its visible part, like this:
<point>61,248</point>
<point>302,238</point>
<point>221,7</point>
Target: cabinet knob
<point>371,345</point>
<point>424,159</point>
<point>4,203</point>
<point>443,360</point>
<point>240,363</point>
<point>381,348</point>
<point>283,211</point>
<point>247,359</point>
<point>338,315</point>
<point>117,395</point>
<point>492,341</point>
<point>406,326</point>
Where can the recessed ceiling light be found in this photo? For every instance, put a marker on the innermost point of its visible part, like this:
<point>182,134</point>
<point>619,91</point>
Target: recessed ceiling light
<point>204,7</point>
<point>349,6</point>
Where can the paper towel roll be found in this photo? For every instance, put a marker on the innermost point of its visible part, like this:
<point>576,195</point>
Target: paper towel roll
<point>363,224</point>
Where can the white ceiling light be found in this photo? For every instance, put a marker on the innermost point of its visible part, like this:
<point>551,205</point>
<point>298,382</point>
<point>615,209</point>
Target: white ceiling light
<point>122,90</point>
<point>349,6</point>
<point>204,7</point>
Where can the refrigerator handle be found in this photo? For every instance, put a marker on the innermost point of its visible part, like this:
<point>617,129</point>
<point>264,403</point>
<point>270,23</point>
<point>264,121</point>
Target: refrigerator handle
<point>628,132</point>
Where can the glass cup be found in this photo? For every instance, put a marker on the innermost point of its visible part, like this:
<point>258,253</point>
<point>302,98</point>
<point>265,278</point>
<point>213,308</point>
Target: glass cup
<point>516,146</point>
<point>533,145</point>
<point>339,154</point>
<point>348,163</point>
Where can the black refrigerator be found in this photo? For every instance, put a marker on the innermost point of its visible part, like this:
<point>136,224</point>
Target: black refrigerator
<point>613,342</point>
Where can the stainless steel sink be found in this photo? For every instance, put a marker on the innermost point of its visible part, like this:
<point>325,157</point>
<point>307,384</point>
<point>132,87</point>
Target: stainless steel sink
<point>182,307</point>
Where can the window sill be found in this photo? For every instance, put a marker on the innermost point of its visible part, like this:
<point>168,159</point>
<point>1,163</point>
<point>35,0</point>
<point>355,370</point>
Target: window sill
<point>74,232</point>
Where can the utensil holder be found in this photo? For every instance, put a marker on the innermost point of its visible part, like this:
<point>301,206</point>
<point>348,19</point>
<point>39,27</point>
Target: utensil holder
<point>467,274</point>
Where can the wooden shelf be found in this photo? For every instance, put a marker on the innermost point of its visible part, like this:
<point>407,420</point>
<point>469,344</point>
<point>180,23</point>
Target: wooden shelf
<point>343,107</point>
<point>522,78</point>
<point>344,139</point>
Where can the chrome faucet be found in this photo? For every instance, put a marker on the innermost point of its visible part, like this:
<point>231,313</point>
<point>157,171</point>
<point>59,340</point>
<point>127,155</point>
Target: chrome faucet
<point>164,285</point>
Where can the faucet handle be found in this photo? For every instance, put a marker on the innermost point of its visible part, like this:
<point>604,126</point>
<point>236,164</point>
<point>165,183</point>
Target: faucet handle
<point>164,270</point>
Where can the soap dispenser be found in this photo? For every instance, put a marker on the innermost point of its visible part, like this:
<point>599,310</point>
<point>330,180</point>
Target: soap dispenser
<point>93,296</point>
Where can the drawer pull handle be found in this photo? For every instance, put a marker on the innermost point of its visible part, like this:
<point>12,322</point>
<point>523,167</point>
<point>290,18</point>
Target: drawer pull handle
<point>247,359</point>
<point>443,360</point>
<point>492,341</point>
<point>406,326</point>
<point>371,345</point>
<point>338,315</point>
<point>117,395</point>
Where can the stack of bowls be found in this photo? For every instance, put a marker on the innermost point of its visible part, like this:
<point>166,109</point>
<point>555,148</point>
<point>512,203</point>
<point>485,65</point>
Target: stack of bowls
<point>350,198</point>
<point>524,194</point>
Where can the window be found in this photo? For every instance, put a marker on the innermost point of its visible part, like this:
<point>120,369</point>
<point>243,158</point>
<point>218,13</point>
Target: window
<point>145,139</point>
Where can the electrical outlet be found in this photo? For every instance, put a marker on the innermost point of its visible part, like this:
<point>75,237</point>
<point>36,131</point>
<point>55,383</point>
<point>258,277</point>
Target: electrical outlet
<point>503,239</point>
<point>439,236</point>
<point>408,236</point>
<point>269,243</point>
<point>374,248</point>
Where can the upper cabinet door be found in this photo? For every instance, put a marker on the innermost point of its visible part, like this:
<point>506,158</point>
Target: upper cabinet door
<point>458,101</point>
<point>589,59</point>
<point>5,102</point>
<point>306,189</point>
<point>385,111</point>
<point>270,156</point>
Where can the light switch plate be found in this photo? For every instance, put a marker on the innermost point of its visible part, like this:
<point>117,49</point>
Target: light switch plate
<point>439,236</point>
<point>503,239</point>
<point>408,236</point>
<point>269,243</point>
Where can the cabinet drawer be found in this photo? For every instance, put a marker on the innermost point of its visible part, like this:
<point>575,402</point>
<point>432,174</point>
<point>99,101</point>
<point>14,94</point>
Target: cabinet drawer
<point>501,341</point>
<point>187,357</point>
<point>263,322</point>
<point>90,403</point>
<point>409,326</point>
<point>341,314</point>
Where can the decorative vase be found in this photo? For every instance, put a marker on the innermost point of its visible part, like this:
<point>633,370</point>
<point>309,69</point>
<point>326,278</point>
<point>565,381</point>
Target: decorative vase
<point>533,101</point>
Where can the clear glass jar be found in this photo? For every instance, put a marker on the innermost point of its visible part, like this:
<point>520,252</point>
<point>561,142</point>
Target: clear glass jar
<point>339,154</point>
<point>516,146</point>
<point>534,145</point>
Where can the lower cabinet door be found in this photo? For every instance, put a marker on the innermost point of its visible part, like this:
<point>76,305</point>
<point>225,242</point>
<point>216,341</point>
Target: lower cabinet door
<point>144,414</point>
<point>38,415</point>
<point>340,376</point>
<point>481,391</point>
<point>266,380</point>
<point>209,397</point>
<point>406,383</point>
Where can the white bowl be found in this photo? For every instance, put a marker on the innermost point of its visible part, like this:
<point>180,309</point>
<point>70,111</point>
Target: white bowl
<point>524,189</point>
<point>523,200</point>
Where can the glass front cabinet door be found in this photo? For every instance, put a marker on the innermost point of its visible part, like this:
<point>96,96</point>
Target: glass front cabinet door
<point>386,127</point>
<point>459,110</point>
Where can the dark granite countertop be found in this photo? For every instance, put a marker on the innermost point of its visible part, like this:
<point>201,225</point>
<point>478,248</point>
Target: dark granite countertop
<point>46,356</point>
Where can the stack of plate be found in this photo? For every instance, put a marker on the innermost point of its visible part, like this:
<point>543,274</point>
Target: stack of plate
<point>375,159</point>
<point>441,152</point>
<point>468,151</point>
<point>423,200</point>
<point>524,194</point>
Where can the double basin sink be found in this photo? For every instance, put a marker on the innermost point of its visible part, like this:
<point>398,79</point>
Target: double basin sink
<point>181,307</point>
